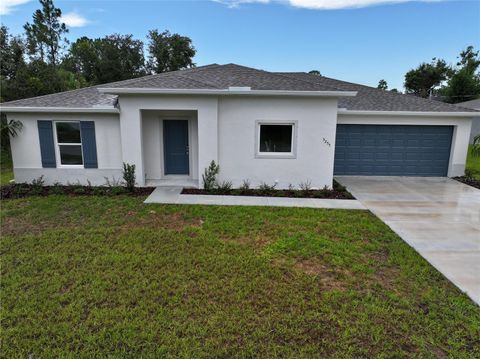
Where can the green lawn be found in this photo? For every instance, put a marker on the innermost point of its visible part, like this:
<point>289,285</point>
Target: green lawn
<point>98,276</point>
<point>473,163</point>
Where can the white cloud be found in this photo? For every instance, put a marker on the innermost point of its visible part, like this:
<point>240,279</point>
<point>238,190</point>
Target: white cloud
<point>344,4</point>
<point>7,6</point>
<point>322,4</point>
<point>72,19</point>
<point>236,3</point>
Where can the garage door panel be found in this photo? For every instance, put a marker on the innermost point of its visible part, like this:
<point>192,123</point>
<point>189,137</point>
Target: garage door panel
<point>391,150</point>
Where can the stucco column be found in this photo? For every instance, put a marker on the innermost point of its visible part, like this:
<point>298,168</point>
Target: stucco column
<point>458,155</point>
<point>207,137</point>
<point>131,137</point>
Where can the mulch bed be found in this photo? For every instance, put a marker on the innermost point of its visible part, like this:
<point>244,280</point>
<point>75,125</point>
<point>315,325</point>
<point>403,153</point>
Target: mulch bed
<point>468,180</point>
<point>21,190</point>
<point>338,192</point>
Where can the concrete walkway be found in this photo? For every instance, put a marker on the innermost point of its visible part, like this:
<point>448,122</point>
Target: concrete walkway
<point>171,195</point>
<point>438,217</point>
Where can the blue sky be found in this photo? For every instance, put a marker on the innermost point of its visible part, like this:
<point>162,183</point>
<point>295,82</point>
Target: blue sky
<point>360,45</point>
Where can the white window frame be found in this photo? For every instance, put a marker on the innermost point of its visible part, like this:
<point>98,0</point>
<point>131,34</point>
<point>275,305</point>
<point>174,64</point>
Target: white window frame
<point>58,144</point>
<point>291,154</point>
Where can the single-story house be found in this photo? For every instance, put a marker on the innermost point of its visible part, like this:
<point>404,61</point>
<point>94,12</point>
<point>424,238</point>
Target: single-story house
<point>282,128</point>
<point>475,105</point>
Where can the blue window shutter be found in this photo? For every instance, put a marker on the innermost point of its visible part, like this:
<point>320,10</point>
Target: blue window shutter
<point>47,145</point>
<point>89,144</point>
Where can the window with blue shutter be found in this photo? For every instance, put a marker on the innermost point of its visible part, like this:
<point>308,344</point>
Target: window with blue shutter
<point>47,144</point>
<point>89,144</point>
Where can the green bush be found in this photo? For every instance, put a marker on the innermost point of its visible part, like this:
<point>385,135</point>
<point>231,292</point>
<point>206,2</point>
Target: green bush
<point>209,177</point>
<point>129,176</point>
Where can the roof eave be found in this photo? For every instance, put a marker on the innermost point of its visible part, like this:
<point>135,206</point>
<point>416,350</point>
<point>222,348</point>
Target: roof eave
<point>225,92</point>
<point>19,109</point>
<point>343,111</point>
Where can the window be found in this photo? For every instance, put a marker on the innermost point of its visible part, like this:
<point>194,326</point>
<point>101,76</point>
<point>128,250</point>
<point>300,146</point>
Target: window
<point>276,139</point>
<point>69,143</point>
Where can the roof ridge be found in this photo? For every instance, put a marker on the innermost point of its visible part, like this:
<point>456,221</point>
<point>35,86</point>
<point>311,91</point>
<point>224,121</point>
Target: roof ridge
<point>190,69</point>
<point>282,74</point>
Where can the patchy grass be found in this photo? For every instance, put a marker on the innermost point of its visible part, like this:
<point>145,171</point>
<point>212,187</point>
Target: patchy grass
<point>6,170</point>
<point>109,276</point>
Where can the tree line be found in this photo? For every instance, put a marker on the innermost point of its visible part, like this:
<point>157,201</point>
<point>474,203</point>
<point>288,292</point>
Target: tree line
<point>444,82</point>
<point>42,61</point>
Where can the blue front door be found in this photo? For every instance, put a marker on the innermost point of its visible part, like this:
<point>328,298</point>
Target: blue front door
<point>175,147</point>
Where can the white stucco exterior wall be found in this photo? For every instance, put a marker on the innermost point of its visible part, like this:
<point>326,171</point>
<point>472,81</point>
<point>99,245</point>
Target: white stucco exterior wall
<point>131,126</point>
<point>315,120</point>
<point>27,163</point>
<point>461,132</point>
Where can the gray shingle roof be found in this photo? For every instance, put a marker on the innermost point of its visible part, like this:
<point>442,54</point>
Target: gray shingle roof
<point>88,97</point>
<point>475,104</point>
<point>373,99</point>
<point>224,76</point>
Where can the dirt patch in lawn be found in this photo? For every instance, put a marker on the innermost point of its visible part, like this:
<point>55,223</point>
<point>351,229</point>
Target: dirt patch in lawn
<point>330,279</point>
<point>12,226</point>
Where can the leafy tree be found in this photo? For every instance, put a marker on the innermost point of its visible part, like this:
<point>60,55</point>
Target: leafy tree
<point>83,58</point>
<point>111,58</point>
<point>315,72</point>
<point>424,80</point>
<point>464,82</point>
<point>169,52</point>
<point>382,84</point>
<point>45,35</point>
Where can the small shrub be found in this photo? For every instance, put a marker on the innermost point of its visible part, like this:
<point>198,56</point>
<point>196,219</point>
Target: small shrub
<point>112,183</point>
<point>98,191</point>
<point>305,187</point>
<point>224,187</point>
<point>291,187</point>
<point>79,189</point>
<point>38,182</point>
<point>129,176</point>
<point>57,188</point>
<point>209,177</point>
<point>266,189</point>
<point>245,185</point>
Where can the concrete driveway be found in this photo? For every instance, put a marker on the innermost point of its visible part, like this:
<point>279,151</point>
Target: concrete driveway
<point>438,217</point>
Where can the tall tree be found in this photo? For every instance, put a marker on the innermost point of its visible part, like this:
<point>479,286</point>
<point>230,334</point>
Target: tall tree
<point>426,78</point>
<point>382,84</point>
<point>464,81</point>
<point>315,72</point>
<point>45,35</point>
<point>169,52</point>
<point>111,58</point>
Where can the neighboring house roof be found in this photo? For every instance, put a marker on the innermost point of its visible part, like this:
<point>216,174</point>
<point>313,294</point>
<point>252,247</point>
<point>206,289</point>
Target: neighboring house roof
<point>219,77</point>
<point>473,104</point>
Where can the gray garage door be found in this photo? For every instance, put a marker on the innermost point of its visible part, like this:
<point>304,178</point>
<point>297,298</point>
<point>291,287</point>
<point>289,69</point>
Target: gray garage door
<point>381,150</point>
